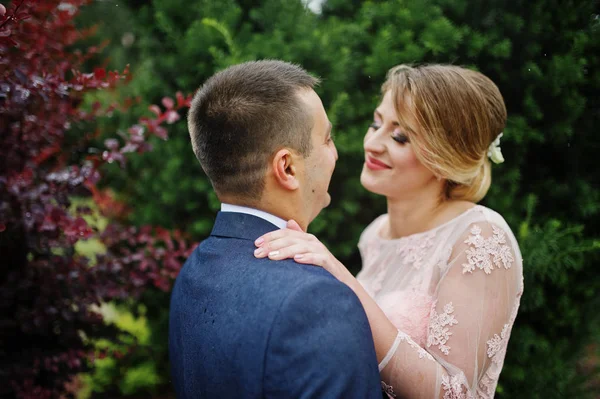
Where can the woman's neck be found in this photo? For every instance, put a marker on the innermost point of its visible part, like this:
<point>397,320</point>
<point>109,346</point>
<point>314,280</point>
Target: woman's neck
<point>420,212</point>
<point>409,216</point>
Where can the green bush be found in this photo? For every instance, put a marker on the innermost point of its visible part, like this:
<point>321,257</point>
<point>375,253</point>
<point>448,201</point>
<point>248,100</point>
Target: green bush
<point>544,56</point>
<point>127,366</point>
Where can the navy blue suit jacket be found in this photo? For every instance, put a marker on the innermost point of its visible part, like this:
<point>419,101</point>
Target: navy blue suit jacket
<point>242,327</point>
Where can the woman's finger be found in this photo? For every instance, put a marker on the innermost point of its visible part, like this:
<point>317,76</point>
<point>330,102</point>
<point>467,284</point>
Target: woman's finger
<point>281,243</point>
<point>277,234</point>
<point>271,241</point>
<point>289,252</point>
<point>277,245</point>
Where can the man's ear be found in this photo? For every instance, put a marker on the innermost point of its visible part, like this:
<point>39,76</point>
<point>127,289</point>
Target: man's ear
<point>285,169</point>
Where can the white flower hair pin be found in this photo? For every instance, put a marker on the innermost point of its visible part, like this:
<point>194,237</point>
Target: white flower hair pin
<point>494,152</point>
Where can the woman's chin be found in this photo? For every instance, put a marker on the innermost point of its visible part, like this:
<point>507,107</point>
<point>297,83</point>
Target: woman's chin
<point>370,185</point>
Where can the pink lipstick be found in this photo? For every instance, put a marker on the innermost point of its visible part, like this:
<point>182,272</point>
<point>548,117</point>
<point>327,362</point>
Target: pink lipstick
<point>374,164</point>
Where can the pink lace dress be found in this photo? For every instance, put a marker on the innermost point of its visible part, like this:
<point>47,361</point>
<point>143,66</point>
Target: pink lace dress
<point>453,293</point>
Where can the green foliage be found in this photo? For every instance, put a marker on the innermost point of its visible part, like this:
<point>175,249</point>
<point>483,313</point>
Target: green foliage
<point>544,55</point>
<point>128,367</point>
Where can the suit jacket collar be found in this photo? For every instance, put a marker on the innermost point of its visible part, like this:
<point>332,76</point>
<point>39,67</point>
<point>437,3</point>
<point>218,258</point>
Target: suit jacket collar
<point>241,225</point>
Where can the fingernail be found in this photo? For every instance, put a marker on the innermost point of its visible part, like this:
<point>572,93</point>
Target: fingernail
<point>273,253</point>
<point>299,256</point>
<point>258,252</point>
<point>259,242</point>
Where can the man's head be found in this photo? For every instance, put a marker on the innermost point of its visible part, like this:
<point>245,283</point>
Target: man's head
<point>260,133</point>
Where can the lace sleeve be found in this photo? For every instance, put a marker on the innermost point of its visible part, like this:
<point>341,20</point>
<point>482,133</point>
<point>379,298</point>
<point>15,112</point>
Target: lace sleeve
<point>469,324</point>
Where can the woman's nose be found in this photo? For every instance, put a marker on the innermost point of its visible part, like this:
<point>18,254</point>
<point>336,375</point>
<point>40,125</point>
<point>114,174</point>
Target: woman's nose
<point>373,141</point>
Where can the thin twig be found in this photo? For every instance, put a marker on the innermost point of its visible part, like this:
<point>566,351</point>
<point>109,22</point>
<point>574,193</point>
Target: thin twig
<point>11,17</point>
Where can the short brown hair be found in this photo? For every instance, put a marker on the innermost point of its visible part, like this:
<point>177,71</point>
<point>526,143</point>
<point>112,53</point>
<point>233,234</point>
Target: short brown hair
<point>241,116</point>
<point>457,114</point>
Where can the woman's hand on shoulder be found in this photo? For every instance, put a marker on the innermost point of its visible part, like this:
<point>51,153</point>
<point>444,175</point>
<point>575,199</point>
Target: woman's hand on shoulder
<point>293,243</point>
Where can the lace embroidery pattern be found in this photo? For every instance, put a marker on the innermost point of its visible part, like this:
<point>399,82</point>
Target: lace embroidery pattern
<point>456,387</point>
<point>413,250</point>
<point>487,252</point>
<point>389,391</point>
<point>439,328</point>
<point>487,385</point>
<point>496,351</point>
<point>422,352</point>
<point>497,346</point>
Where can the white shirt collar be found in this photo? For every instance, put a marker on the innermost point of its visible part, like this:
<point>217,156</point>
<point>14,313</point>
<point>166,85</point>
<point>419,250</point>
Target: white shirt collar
<point>255,212</point>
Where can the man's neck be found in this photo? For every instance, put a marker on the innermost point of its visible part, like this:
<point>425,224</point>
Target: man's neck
<point>281,206</point>
<point>286,207</point>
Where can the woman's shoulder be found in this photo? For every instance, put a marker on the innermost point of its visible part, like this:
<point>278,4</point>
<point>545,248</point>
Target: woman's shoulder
<point>485,229</point>
<point>372,230</point>
<point>486,216</point>
<point>481,221</point>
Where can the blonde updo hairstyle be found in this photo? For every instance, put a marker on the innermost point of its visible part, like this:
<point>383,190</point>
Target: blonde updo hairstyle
<point>451,116</point>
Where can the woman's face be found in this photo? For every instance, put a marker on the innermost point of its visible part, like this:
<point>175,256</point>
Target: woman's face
<point>391,167</point>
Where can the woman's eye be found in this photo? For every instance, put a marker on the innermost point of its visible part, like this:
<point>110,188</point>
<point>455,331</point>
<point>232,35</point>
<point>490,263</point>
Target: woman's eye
<point>374,125</point>
<point>400,138</point>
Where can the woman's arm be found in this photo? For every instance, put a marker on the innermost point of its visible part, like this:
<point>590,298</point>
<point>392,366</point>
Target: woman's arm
<point>305,248</point>
<point>469,324</point>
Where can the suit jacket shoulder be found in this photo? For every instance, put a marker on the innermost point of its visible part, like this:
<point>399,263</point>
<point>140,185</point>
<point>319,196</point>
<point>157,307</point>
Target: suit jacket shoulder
<point>237,323</point>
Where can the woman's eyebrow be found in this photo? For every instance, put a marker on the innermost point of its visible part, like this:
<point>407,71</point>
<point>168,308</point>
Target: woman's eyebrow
<point>378,114</point>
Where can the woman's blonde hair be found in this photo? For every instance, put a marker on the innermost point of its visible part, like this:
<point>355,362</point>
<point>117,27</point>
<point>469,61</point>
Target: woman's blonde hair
<point>451,116</point>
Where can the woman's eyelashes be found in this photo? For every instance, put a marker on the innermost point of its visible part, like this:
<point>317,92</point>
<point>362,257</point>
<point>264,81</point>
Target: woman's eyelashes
<point>397,135</point>
<point>400,137</point>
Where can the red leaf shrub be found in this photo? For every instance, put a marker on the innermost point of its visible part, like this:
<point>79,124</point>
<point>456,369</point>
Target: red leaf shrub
<point>48,290</point>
